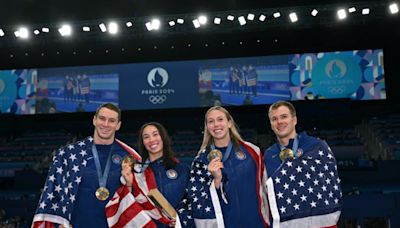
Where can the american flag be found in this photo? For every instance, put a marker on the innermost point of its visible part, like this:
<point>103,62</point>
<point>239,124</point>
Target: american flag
<point>204,202</point>
<point>135,210</point>
<point>305,192</point>
<point>61,188</point>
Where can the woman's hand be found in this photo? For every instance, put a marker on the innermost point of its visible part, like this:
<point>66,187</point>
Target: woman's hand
<point>214,167</point>
<point>127,174</point>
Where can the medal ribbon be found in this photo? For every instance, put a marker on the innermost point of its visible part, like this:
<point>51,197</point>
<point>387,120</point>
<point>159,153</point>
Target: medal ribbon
<point>227,151</point>
<point>102,178</point>
<point>295,145</point>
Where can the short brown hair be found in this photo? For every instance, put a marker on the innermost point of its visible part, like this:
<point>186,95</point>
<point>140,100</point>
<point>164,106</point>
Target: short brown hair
<point>110,106</point>
<point>278,104</point>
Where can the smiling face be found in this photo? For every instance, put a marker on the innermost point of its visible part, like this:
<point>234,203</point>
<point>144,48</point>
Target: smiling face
<point>106,123</point>
<point>218,126</point>
<point>283,123</point>
<point>153,142</point>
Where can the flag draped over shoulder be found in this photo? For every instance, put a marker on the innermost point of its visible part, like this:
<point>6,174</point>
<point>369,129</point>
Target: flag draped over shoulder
<point>305,192</point>
<point>128,209</point>
<point>204,202</point>
<point>61,188</point>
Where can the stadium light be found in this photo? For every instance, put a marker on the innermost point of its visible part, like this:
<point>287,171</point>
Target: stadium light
<point>314,12</point>
<point>202,20</point>
<point>217,20</point>
<point>113,28</point>
<point>341,13</point>
<point>2,33</point>
<point>196,23</point>
<point>365,11</point>
<point>293,17</point>
<point>156,23</point>
<point>394,8</point>
<point>277,14</point>
<point>103,27</point>
<point>352,9</point>
<point>230,17</point>
<point>262,17</point>
<point>65,30</point>
<point>129,24</point>
<point>22,33</point>
<point>250,16</point>
<point>242,20</point>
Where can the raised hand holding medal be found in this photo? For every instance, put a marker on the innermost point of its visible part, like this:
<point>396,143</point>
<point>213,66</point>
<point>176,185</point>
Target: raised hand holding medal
<point>128,164</point>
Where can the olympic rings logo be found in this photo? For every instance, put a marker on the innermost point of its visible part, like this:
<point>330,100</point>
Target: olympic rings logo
<point>157,99</point>
<point>336,90</point>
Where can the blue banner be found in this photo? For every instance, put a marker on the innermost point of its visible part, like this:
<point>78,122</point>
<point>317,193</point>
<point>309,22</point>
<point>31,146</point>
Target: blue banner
<point>357,75</point>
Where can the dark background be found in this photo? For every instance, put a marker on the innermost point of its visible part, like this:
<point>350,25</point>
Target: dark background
<point>378,30</point>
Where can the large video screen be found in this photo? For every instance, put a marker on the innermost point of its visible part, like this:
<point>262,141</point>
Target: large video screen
<point>356,74</point>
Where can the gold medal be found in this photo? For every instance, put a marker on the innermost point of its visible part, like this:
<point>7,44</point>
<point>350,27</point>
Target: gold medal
<point>130,160</point>
<point>285,154</point>
<point>102,193</point>
<point>214,154</point>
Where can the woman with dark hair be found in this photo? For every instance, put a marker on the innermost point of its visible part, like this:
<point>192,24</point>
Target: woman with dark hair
<point>155,144</point>
<point>171,176</point>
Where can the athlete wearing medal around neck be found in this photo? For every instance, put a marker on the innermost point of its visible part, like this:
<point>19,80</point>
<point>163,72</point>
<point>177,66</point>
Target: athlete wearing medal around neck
<point>227,191</point>
<point>310,158</point>
<point>171,176</point>
<point>84,176</point>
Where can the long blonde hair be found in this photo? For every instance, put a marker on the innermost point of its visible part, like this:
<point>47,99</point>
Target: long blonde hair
<point>233,130</point>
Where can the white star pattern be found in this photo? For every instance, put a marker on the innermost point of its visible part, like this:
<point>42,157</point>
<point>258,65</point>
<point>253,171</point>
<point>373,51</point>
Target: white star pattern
<point>72,198</point>
<point>75,168</point>
<point>59,192</point>
<point>78,180</point>
<point>52,178</point>
<point>83,153</point>
<point>42,205</point>
<point>59,170</point>
<point>303,184</point>
<point>58,188</point>
<point>54,206</point>
<point>72,157</point>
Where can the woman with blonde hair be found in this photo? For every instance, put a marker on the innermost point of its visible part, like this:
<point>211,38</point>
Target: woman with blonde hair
<point>226,186</point>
